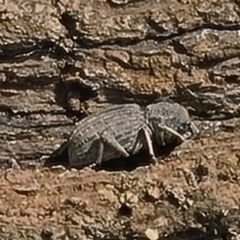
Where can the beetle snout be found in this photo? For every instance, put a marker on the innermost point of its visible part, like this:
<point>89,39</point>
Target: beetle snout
<point>190,130</point>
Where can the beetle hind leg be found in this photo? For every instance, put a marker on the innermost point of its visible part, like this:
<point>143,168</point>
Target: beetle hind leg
<point>108,142</point>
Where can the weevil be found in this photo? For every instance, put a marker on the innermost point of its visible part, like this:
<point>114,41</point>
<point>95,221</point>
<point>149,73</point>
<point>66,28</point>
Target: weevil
<point>123,130</point>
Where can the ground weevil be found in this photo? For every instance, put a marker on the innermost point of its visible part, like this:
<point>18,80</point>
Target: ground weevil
<point>123,130</point>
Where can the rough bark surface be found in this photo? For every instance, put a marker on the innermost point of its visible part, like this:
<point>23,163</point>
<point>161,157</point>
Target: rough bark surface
<point>60,60</point>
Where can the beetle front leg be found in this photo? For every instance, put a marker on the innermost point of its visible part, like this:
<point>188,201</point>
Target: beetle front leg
<point>172,131</point>
<point>145,138</point>
<point>149,144</point>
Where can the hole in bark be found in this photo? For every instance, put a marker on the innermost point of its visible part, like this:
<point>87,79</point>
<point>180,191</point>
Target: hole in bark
<point>68,21</point>
<point>46,234</point>
<point>124,210</point>
<point>232,79</point>
<point>201,171</point>
<point>78,93</point>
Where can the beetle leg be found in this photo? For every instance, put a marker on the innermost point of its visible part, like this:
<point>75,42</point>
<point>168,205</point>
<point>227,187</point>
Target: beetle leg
<point>172,131</point>
<point>106,139</point>
<point>149,144</point>
<point>145,138</point>
<point>100,152</point>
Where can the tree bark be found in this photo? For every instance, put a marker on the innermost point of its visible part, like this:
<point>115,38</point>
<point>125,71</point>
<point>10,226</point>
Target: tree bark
<point>61,60</point>
<point>62,57</point>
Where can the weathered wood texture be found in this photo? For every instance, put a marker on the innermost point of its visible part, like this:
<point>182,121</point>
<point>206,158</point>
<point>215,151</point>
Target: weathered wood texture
<point>60,57</point>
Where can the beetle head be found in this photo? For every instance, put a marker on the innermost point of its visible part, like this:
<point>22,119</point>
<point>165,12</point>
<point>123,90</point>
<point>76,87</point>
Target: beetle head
<point>173,116</point>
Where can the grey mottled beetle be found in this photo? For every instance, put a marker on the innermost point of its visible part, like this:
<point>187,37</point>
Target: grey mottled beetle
<point>123,130</point>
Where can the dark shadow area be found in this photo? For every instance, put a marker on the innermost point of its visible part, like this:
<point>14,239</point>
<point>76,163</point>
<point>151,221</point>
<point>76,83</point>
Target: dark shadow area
<point>60,157</point>
<point>117,96</point>
<point>62,91</point>
<point>136,160</point>
<point>125,210</point>
<point>187,234</point>
<point>33,49</point>
<point>194,234</point>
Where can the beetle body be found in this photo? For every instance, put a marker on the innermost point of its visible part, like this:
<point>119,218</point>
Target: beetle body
<point>123,130</point>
